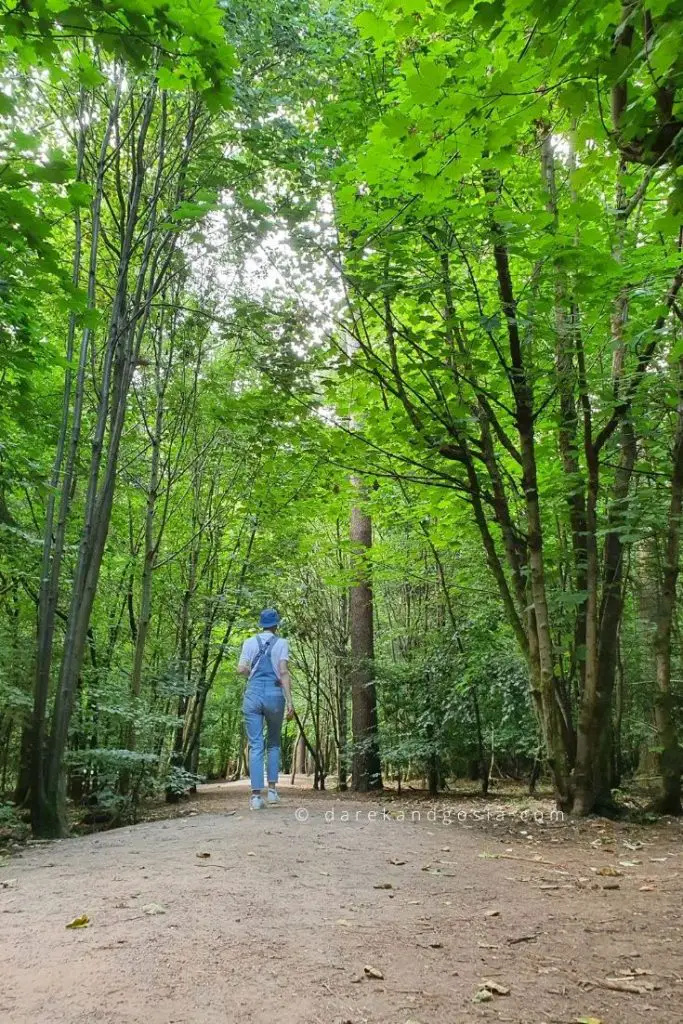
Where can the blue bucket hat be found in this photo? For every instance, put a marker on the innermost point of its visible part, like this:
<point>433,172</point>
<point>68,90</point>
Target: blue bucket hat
<point>269,618</point>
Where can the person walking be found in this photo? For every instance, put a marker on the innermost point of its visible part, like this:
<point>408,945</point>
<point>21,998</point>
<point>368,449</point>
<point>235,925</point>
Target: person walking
<point>265,662</point>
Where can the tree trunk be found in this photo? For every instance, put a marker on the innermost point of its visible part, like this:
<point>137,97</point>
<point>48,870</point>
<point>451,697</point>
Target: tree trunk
<point>594,758</point>
<point>669,799</point>
<point>555,726</point>
<point>129,314</point>
<point>64,467</point>
<point>366,769</point>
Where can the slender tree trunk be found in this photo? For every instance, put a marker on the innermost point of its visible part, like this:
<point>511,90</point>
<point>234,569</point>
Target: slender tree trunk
<point>152,540</point>
<point>367,773</point>
<point>553,719</point>
<point>64,466</point>
<point>342,719</point>
<point>567,382</point>
<point>130,311</point>
<point>207,675</point>
<point>617,753</point>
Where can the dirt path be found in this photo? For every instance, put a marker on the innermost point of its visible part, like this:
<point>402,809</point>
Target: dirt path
<point>278,923</point>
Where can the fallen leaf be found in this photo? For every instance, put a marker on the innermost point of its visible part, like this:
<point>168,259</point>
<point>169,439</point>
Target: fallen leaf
<point>646,888</point>
<point>633,846</point>
<point>610,871</point>
<point>630,863</point>
<point>203,855</point>
<point>251,853</point>
<point>79,922</point>
<point>153,909</point>
<point>495,987</point>
<point>372,972</point>
<point>482,996</point>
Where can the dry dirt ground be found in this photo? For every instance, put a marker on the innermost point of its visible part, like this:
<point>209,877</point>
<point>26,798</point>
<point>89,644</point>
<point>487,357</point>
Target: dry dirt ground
<point>223,915</point>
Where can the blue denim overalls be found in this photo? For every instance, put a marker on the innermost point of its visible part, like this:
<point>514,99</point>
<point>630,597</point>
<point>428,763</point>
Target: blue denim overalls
<point>264,701</point>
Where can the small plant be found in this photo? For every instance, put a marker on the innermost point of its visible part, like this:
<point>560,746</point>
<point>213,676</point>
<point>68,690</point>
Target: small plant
<point>12,827</point>
<point>178,781</point>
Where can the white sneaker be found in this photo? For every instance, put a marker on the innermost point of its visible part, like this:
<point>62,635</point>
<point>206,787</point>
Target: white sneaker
<point>273,796</point>
<point>256,803</point>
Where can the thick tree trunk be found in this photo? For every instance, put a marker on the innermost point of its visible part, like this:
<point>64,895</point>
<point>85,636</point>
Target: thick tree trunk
<point>366,771</point>
<point>669,799</point>
<point>594,757</point>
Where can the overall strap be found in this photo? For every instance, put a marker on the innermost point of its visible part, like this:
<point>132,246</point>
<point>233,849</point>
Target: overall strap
<point>262,650</point>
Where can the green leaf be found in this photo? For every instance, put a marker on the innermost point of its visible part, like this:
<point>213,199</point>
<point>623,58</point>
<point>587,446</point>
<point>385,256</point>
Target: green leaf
<point>172,80</point>
<point>666,53</point>
<point>88,74</point>
<point>371,26</point>
<point>425,84</point>
<point>576,98</point>
<point>58,171</point>
<point>190,211</point>
<point>79,193</point>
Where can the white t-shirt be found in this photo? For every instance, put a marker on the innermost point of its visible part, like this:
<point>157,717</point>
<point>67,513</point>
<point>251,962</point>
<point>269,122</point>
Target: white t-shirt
<point>278,652</point>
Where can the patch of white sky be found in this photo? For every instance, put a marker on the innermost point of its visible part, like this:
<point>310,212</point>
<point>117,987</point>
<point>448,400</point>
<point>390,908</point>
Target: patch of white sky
<point>288,265</point>
<point>291,263</point>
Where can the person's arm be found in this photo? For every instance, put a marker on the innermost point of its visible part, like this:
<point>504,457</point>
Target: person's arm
<point>244,666</point>
<point>286,682</point>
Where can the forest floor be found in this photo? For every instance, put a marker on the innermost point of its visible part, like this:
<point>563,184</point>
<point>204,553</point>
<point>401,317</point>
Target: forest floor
<point>320,911</point>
